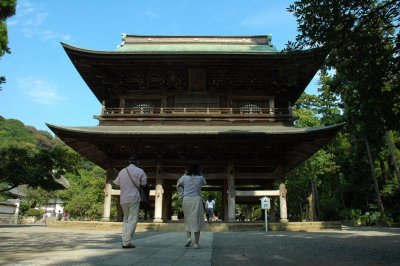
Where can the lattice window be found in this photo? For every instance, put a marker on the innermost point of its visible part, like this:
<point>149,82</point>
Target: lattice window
<point>197,101</point>
<point>143,108</point>
<point>250,109</point>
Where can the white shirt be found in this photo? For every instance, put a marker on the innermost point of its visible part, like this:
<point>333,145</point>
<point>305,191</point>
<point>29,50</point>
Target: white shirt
<point>210,204</point>
<point>129,192</point>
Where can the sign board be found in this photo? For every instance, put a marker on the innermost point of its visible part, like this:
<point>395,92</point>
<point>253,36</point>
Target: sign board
<point>265,203</point>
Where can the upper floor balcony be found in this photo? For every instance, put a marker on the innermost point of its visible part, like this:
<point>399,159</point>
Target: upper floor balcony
<point>147,113</point>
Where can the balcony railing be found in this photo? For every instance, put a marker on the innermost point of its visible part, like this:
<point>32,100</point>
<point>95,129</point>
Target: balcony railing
<point>167,111</point>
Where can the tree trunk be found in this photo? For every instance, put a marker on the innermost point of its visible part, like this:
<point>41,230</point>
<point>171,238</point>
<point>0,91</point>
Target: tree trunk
<point>373,175</point>
<point>342,199</point>
<point>383,170</point>
<point>310,205</point>
<point>301,211</point>
<point>392,155</point>
<point>315,205</point>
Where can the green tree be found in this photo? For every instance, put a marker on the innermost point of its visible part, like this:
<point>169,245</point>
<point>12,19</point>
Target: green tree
<point>32,157</point>
<point>7,9</point>
<point>39,196</point>
<point>308,183</point>
<point>363,37</point>
<point>84,199</point>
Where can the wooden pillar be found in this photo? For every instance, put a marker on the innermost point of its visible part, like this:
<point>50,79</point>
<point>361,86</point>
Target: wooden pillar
<point>282,202</point>
<point>225,200</point>
<point>231,193</point>
<point>166,209</point>
<point>158,197</point>
<point>272,217</point>
<point>107,195</point>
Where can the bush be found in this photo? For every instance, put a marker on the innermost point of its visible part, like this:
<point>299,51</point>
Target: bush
<point>34,212</point>
<point>370,218</point>
<point>24,207</point>
<point>350,214</point>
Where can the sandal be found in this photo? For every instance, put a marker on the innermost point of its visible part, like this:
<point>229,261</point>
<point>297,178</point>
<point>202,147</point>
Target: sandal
<point>129,246</point>
<point>188,242</point>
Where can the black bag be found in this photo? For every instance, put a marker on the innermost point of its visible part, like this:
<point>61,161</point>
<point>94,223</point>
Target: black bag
<point>144,197</point>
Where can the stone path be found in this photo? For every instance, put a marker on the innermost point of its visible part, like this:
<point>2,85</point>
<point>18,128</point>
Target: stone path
<point>37,245</point>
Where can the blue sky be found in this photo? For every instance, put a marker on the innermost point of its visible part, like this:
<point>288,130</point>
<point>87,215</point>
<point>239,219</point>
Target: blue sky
<point>43,85</point>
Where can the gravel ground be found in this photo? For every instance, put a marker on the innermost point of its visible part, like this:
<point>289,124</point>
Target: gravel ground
<point>38,245</point>
<point>351,246</point>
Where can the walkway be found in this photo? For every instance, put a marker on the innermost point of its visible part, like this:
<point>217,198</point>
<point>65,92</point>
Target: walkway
<point>37,245</point>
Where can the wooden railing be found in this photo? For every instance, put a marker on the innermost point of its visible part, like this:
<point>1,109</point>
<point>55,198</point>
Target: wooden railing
<point>166,111</point>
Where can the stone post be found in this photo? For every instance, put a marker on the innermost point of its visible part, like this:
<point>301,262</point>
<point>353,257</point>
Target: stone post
<point>271,106</point>
<point>107,195</point>
<point>158,206</point>
<point>282,202</point>
<point>103,107</point>
<point>231,193</point>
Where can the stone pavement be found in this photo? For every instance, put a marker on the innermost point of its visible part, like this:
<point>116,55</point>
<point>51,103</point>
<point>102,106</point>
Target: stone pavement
<point>38,245</point>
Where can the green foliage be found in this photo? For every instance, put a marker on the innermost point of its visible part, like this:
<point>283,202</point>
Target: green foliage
<point>24,206</point>
<point>84,199</point>
<point>32,157</point>
<point>177,203</point>
<point>39,196</point>
<point>350,214</point>
<point>7,9</point>
<point>371,218</point>
<point>34,212</point>
<point>363,38</point>
<point>359,84</point>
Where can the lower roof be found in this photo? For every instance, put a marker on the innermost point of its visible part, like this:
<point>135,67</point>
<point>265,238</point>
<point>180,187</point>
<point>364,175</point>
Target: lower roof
<point>274,149</point>
<point>192,130</point>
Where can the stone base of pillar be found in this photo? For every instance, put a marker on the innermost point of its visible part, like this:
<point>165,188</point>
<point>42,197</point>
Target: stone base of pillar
<point>158,220</point>
<point>105,219</point>
<point>231,220</point>
<point>284,221</point>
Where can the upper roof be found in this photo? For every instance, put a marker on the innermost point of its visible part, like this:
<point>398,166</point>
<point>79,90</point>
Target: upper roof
<point>164,60</point>
<point>196,44</point>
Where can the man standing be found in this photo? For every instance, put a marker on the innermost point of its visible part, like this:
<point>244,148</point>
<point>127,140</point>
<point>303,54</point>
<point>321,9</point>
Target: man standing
<point>129,179</point>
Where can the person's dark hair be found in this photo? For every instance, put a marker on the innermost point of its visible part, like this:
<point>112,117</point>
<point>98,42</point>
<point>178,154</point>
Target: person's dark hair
<point>193,168</point>
<point>210,197</point>
<point>132,159</point>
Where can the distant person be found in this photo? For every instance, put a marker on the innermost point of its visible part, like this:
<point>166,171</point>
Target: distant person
<point>66,216</point>
<point>59,215</point>
<point>193,207</point>
<point>44,219</point>
<point>129,179</point>
<point>210,203</point>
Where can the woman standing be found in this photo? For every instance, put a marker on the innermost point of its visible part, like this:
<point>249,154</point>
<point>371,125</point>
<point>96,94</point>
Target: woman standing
<point>193,209</point>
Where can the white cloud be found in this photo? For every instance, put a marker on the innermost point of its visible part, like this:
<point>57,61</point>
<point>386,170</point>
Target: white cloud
<point>31,20</point>
<point>150,14</point>
<point>40,91</point>
<point>266,18</point>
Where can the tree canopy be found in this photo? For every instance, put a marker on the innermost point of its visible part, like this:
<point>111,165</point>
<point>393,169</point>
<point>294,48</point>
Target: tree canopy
<point>32,157</point>
<point>7,9</point>
<point>363,39</point>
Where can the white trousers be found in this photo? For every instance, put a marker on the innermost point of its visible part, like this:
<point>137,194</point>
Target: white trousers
<point>131,213</point>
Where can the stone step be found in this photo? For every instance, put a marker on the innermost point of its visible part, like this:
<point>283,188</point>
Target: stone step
<point>212,227</point>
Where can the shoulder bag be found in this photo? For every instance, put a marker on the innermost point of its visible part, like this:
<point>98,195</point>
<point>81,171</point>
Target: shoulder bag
<point>144,198</point>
